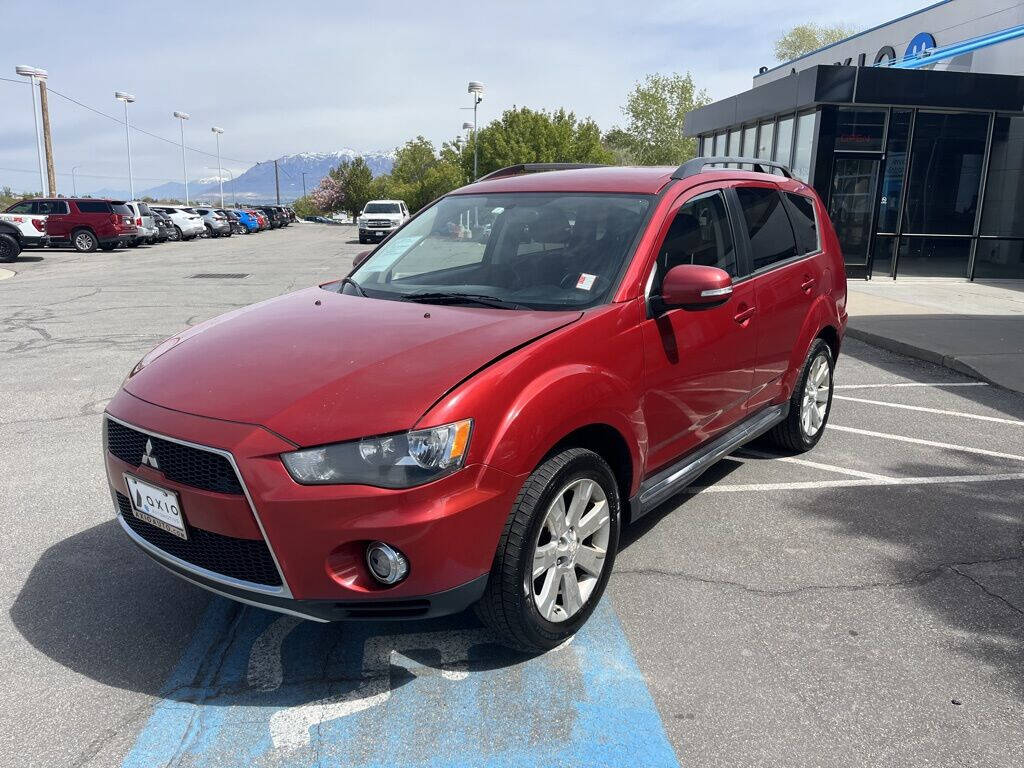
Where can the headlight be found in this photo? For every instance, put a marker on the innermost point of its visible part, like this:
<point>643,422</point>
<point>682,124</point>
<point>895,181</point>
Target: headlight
<point>391,461</point>
<point>361,221</point>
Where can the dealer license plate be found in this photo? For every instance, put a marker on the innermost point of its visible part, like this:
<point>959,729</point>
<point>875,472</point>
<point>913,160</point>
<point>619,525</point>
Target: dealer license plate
<point>156,506</point>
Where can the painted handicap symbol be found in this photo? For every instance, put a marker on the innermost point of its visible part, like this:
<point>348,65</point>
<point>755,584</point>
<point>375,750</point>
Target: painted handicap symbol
<point>290,728</point>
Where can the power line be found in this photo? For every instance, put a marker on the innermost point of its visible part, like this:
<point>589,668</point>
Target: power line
<point>84,175</point>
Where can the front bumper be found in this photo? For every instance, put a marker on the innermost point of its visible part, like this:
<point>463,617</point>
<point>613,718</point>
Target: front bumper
<point>317,535</point>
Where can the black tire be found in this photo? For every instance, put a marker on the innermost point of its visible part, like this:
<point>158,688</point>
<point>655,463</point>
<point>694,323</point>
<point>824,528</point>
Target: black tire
<point>108,246</point>
<point>133,243</point>
<point>175,235</point>
<point>508,606</point>
<point>84,241</point>
<point>207,232</point>
<point>9,247</point>
<point>790,434</point>
<point>362,240</point>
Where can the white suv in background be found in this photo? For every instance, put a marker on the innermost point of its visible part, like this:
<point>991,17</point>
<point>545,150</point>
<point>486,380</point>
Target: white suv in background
<point>144,221</point>
<point>188,223</point>
<point>380,218</point>
<point>25,222</point>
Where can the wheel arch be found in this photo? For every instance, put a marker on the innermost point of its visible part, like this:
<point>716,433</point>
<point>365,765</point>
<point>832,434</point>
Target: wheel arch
<point>608,443</point>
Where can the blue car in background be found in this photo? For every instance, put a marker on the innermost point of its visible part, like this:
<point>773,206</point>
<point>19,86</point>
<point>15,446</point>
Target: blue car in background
<point>247,220</point>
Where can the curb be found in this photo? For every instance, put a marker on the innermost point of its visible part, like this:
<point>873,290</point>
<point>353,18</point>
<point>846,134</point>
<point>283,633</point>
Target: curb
<point>949,362</point>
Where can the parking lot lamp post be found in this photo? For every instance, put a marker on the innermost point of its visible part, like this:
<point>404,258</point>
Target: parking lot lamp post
<point>74,184</point>
<point>220,171</point>
<point>182,117</point>
<point>477,89</point>
<point>32,73</point>
<point>127,98</point>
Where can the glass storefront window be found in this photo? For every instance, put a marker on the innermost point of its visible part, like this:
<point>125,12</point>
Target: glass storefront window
<point>733,147</point>
<point>1003,211</point>
<point>764,141</point>
<point>801,166</point>
<point>895,165</point>
<point>719,147</point>
<point>945,172</point>
<point>784,140</point>
<point>860,130</point>
<point>999,260</point>
<point>749,147</point>
<point>881,264</point>
<point>933,256</point>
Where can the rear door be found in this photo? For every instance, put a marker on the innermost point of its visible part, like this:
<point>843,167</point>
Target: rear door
<point>59,226</point>
<point>785,276</point>
<point>699,364</point>
<point>55,211</point>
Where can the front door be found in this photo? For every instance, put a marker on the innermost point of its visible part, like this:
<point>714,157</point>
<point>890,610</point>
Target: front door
<point>698,364</point>
<point>852,205</point>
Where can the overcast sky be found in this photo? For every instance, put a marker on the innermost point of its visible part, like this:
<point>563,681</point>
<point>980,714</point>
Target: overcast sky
<point>289,77</point>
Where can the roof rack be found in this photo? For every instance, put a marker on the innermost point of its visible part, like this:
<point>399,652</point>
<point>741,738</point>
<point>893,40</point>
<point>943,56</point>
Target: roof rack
<point>515,170</point>
<point>695,166</point>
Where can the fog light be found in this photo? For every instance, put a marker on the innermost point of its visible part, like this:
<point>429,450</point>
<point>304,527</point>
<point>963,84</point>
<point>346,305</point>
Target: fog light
<point>386,563</point>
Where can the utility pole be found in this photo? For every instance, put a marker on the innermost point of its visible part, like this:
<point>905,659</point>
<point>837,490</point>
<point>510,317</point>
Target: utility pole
<point>277,183</point>
<point>303,183</point>
<point>51,173</point>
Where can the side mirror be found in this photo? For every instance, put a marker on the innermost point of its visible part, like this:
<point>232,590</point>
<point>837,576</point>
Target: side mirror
<point>694,286</point>
<point>358,260</point>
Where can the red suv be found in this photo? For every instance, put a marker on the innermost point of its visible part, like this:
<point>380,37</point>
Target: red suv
<point>472,415</point>
<point>87,224</point>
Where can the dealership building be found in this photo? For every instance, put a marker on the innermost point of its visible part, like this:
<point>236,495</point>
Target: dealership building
<point>912,133</point>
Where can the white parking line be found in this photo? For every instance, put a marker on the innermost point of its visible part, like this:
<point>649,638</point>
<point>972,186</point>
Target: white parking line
<point>996,419</point>
<point>913,384</point>
<point>932,443</point>
<point>854,483</point>
<point>814,465</point>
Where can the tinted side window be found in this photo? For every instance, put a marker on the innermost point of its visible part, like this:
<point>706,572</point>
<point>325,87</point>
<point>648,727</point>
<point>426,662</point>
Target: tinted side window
<point>144,209</point>
<point>699,234</point>
<point>122,209</point>
<point>50,207</point>
<point>771,235</point>
<point>25,207</point>
<point>801,213</point>
<point>93,206</point>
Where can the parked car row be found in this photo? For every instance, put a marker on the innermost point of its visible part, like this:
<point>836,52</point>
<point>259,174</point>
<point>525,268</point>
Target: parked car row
<point>86,224</point>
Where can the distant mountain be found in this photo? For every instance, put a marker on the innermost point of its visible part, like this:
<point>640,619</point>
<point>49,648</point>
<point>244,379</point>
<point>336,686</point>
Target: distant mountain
<point>256,185</point>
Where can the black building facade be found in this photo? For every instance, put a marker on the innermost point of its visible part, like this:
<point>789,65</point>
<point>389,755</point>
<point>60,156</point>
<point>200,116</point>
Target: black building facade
<point>922,171</point>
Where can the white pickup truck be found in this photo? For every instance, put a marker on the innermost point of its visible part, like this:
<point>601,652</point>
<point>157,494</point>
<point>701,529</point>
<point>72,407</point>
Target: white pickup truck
<point>380,218</point>
<point>23,225</point>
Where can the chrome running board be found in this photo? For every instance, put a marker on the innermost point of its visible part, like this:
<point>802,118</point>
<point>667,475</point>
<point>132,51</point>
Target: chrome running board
<point>662,485</point>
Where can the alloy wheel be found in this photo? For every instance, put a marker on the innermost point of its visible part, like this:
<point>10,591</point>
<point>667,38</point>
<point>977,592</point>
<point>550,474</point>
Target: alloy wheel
<point>817,389</point>
<point>569,553</point>
<point>83,241</point>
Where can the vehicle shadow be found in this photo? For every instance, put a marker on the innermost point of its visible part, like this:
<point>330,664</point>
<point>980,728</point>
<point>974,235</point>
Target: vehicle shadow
<point>96,605</point>
<point>24,258</point>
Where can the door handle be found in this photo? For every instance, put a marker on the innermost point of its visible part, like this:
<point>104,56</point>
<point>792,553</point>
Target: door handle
<point>744,315</point>
<point>807,284</point>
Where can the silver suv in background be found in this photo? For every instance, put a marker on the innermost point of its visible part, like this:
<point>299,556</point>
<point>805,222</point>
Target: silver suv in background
<point>380,218</point>
<point>144,221</point>
<point>187,223</point>
<point>215,222</point>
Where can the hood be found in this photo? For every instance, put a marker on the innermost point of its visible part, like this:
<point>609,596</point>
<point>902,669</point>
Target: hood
<point>342,369</point>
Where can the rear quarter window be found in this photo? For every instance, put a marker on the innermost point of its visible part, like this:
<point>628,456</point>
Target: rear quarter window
<point>805,223</point>
<point>96,206</point>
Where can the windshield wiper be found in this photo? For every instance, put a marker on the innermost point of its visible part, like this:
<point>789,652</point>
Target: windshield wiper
<point>453,297</point>
<point>349,281</point>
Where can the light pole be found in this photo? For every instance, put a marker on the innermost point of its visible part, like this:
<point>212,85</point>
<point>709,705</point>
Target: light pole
<point>32,73</point>
<point>74,184</point>
<point>127,98</point>
<point>220,172</point>
<point>182,117</point>
<point>477,89</point>
<point>229,173</point>
<point>303,183</point>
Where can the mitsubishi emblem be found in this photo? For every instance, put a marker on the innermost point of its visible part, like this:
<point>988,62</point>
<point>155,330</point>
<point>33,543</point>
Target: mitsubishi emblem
<point>148,457</point>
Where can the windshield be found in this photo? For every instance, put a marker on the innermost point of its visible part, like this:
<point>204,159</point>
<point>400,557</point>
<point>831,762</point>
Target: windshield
<point>540,251</point>
<point>382,208</point>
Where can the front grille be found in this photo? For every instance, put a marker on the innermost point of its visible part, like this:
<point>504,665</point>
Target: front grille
<point>181,463</point>
<point>381,224</point>
<point>245,559</point>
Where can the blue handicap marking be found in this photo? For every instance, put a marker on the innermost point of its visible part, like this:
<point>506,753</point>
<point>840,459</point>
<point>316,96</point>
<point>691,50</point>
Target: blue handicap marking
<point>255,688</point>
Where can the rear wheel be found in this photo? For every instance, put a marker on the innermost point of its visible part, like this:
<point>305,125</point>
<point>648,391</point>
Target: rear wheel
<point>555,554</point>
<point>175,234</point>
<point>84,241</point>
<point>810,404</point>
<point>9,247</point>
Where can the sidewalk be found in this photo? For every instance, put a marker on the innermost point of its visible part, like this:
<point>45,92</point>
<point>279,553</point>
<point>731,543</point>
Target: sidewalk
<point>974,328</point>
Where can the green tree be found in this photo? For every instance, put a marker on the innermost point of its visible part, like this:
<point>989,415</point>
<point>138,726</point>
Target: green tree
<point>355,178</point>
<point>304,206</point>
<point>419,175</point>
<point>655,110</point>
<point>804,38</point>
<point>525,135</point>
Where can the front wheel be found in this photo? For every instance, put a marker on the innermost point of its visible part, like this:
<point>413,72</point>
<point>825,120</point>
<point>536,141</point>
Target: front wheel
<point>810,404</point>
<point>555,553</point>
<point>9,247</point>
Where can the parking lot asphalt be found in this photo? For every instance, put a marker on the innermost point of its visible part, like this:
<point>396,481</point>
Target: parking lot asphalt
<point>858,605</point>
